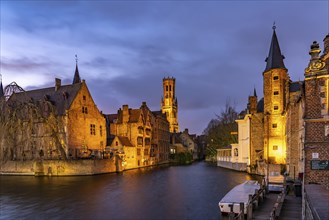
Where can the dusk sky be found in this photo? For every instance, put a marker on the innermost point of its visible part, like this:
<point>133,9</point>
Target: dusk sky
<point>216,50</point>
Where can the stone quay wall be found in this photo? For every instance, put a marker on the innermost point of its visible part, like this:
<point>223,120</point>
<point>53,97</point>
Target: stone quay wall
<point>61,167</point>
<point>232,166</point>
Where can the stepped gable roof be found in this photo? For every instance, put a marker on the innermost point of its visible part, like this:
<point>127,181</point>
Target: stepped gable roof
<point>125,141</point>
<point>275,58</point>
<point>295,86</point>
<point>61,99</point>
<point>260,105</point>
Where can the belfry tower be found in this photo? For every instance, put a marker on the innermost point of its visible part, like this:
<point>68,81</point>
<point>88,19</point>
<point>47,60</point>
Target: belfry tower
<point>276,80</point>
<point>169,103</point>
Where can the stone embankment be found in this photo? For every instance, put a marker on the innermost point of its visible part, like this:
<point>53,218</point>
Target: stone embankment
<point>61,167</point>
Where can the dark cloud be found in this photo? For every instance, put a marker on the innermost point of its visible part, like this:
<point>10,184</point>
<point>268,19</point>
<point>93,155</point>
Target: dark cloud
<point>215,49</point>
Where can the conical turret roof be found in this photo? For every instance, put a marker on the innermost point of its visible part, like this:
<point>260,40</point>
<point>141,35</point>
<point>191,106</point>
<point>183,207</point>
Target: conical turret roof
<point>275,58</point>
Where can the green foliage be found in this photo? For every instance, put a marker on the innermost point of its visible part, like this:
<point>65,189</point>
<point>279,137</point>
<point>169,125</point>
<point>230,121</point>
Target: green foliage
<point>184,158</point>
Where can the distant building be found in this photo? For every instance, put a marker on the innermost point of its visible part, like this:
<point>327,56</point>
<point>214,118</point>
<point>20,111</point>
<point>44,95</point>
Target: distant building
<point>169,104</point>
<point>146,133</point>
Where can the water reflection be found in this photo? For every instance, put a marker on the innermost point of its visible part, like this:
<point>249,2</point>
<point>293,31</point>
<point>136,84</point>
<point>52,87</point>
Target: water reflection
<point>181,192</point>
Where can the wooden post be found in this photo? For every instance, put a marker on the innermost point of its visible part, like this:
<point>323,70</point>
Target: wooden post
<point>250,207</point>
<point>257,198</point>
<point>241,211</point>
<point>231,215</point>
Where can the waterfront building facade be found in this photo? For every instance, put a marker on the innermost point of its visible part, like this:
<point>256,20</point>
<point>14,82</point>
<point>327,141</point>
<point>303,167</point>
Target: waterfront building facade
<point>52,123</point>
<point>316,116</point>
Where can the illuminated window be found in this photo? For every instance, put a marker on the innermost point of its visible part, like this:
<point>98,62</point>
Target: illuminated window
<point>140,130</point>
<point>275,78</point>
<point>274,125</point>
<point>276,107</point>
<point>276,93</point>
<point>275,147</point>
<point>92,129</point>
<point>147,141</point>
<point>148,131</point>
<point>140,141</point>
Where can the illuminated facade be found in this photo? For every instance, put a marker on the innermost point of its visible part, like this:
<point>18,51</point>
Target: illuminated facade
<point>316,116</point>
<point>276,85</point>
<point>169,103</point>
<point>59,122</point>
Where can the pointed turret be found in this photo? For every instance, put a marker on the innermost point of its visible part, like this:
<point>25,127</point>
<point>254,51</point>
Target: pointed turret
<point>275,58</point>
<point>1,88</point>
<point>76,78</point>
<point>255,94</point>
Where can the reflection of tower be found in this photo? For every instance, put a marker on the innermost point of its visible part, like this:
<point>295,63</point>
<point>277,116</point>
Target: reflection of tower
<point>169,103</point>
<point>276,81</point>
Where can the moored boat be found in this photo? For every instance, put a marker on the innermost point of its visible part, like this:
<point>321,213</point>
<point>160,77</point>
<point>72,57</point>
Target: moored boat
<point>239,194</point>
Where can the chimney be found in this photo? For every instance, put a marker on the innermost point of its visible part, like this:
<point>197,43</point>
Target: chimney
<point>125,113</point>
<point>58,83</point>
<point>326,44</point>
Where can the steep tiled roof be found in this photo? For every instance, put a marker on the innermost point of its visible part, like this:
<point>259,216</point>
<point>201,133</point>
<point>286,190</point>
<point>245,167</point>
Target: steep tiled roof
<point>295,86</point>
<point>260,105</point>
<point>275,58</point>
<point>125,141</point>
<point>134,115</point>
<point>111,117</point>
<point>61,99</point>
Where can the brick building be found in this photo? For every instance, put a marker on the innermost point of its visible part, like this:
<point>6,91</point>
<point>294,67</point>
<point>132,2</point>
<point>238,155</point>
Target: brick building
<point>52,123</point>
<point>147,131</point>
<point>290,125</point>
<point>316,143</point>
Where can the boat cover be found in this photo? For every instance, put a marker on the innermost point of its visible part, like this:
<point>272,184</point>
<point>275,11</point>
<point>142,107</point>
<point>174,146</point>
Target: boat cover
<point>241,192</point>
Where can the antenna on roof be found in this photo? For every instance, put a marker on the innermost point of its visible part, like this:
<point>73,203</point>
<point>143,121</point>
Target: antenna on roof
<point>76,59</point>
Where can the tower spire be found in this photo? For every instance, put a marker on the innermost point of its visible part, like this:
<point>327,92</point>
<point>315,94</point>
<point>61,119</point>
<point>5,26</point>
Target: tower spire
<point>76,78</point>
<point>275,58</point>
<point>255,94</point>
<point>1,87</point>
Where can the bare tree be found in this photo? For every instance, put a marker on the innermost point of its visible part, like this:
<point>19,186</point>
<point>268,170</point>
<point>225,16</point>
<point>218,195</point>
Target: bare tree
<point>221,131</point>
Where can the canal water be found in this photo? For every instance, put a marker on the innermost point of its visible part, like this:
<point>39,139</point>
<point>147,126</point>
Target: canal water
<point>176,192</point>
